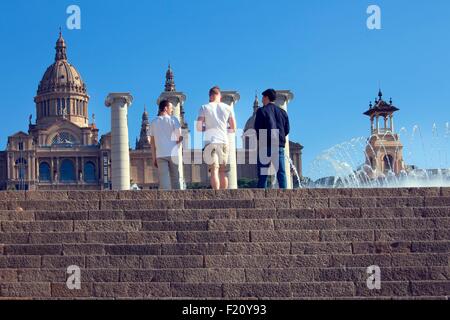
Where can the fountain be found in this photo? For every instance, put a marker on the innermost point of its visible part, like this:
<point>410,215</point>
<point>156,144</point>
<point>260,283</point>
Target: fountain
<point>425,164</point>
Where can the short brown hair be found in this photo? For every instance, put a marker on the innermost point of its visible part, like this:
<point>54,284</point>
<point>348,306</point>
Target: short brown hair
<point>214,91</point>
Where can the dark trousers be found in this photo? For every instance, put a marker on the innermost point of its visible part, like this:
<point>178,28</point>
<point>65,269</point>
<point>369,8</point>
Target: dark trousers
<point>281,172</point>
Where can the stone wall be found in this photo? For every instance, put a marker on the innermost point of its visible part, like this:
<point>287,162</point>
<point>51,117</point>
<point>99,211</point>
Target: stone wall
<point>236,244</point>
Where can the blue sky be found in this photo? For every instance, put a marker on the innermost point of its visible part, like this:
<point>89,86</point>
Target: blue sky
<point>321,50</point>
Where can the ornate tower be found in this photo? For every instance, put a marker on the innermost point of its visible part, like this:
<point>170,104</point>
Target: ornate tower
<point>62,93</point>
<point>145,132</point>
<point>384,151</point>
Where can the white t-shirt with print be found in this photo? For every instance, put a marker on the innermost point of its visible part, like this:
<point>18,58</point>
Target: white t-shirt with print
<point>216,117</point>
<point>165,130</point>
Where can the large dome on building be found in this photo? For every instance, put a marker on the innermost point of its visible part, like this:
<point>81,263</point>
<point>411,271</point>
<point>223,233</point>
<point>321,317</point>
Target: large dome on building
<point>61,94</point>
<point>61,76</point>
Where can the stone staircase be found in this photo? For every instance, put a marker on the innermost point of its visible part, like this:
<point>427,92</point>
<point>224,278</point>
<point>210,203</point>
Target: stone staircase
<point>234,244</point>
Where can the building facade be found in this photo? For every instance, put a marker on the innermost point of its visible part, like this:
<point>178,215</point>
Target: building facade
<point>62,149</point>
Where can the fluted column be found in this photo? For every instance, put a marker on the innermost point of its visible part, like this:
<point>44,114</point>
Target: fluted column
<point>283,99</point>
<point>120,152</point>
<point>231,98</point>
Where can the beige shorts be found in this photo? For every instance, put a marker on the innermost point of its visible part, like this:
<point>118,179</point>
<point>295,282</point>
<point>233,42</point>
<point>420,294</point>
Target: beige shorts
<point>215,156</point>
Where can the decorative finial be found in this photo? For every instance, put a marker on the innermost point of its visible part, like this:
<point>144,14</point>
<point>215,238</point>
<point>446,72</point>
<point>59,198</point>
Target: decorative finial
<point>170,83</point>
<point>60,48</point>
<point>93,118</point>
<point>380,94</point>
<point>30,118</point>
<point>390,101</point>
<point>370,105</point>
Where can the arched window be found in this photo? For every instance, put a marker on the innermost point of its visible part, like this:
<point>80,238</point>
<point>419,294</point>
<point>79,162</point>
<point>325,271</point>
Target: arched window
<point>44,172</point>
<point>89,172</point>
<point>67,171</point>
<point>388,162</point>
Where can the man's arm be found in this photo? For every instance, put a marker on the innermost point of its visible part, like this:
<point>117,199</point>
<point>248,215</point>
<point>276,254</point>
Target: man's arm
<point>200,124</point>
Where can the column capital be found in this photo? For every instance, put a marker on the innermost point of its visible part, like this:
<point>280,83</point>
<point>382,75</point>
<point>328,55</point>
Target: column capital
<point>284,96</point>
<point>126,98</point>
<point>230,97</point>
<point>173,96</point>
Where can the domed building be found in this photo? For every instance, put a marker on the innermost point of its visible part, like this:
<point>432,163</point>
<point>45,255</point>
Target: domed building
<point>61,150</point>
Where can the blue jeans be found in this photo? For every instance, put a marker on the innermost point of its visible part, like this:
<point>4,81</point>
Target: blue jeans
<point>281,172</point>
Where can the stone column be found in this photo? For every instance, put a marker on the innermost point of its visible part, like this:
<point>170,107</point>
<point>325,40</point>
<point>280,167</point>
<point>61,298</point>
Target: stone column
<point>283,99</point>
<point>231,98</point>
<point>120,152</point>
<point>177,99</point>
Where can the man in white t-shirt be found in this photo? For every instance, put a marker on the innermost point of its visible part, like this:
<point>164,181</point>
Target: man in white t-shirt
<point>216,119</point>
<point>166,138</point>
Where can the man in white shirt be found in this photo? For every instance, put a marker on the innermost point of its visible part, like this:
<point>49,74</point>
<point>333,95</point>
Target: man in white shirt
<point>216,119</point>
<point>165,134</point>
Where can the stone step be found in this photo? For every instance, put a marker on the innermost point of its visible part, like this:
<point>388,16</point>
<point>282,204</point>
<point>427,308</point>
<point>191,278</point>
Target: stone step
<point>226,225</point>
<point>128,258</point>
<point>226,275</point>
<point>292,203</point>
<point>293,290</point>
<point>222,194</point>
<point>182,215</point>
<point>237,248</point>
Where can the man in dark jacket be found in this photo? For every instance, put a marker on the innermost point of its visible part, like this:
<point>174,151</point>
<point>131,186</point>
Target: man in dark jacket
<point>272,127</point>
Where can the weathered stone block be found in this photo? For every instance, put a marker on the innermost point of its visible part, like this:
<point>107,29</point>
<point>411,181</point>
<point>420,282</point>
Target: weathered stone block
<point>19,262</point>
<point>353,202</point>
<point>194,249</point>
<point>311,203</point>
<point>321,248</point>
<point>430,288</point>
<point>171,262</point>
<point>83,249</point>
<point>346,235</point>
<point>279,275</point>
<point>37,226</point>
<point>237,225</point>
<point>404,235</point>
<point>137,250</point>
<point>337,213</point>
<point>57,262</point>
<point>212,236</point>
<point>305,224</point>
<point>218,204</point>
<point>265,248</point>
<point>33,249</point>
<point>381,260</point>
<point>175,226</point>
<point>284,236</point>
<point>326,289</point>
<point>200,290</point>
<point>106,237</point>
<point>32,290</point>
<point>151,237</point>
<point>260,290</point>
<point>107,226</point>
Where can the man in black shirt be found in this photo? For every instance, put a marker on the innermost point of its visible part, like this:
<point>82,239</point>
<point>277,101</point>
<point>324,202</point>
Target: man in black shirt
<point>272,127</point>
